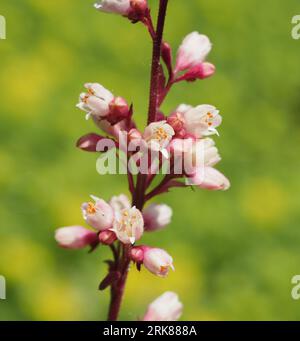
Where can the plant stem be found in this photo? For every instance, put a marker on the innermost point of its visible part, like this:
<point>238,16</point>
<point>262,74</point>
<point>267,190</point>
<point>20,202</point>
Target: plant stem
<point>138,195</point>
<point>154,92</point>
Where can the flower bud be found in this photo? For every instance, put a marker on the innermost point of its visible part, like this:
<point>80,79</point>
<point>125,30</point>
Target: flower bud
<point>199,71</point>
<point>129,225</point>
<point>166,307</point>
<point>75,237</point>
<point>158,261</point>
<point>107,237</point>
<point>99,215</point>
<point>89,142</point>
<point>193,50</point>
<point>176,121</point>
<point>157,216</point>
<point>121,7</point>
<point>137,254</point>
<point>118,110</point>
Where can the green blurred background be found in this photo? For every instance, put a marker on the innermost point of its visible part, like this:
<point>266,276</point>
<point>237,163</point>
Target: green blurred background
<point>235,252</point>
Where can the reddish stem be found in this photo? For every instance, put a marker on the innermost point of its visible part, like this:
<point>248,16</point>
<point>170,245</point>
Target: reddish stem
<point>154,87</point>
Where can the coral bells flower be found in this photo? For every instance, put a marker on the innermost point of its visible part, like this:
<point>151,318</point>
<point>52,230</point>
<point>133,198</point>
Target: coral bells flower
<point>193,50</point>
<point>166,307</point>
<point>107,237</point>
<point>95,101</point>
<point>201,120</point>
<point>158,135</point>
<point>100,103</point>
<point>157,216</point>
<point>209,178</point>
<point>129,225</point>
<point>75,237</point>
<point>158,261</point>
<point>119,203</point>
<point>98,215</point>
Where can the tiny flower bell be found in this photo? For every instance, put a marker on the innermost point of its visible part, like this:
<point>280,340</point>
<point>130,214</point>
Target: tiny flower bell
<point>129,225</point>
<point>157,216</point>
<point>166,307</point>
<point>157,261</point>
<point>98,214</point>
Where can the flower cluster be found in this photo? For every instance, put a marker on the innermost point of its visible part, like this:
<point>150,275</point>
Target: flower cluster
<point>182,138</point>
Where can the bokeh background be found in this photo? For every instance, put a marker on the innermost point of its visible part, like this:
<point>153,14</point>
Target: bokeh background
<point>235,252</point>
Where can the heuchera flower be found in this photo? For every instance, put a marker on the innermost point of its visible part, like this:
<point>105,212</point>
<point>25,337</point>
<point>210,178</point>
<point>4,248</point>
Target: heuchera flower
<point>193,51</point>
<point>98,215</point>
<point>101,104</point>
<point>166,307</point>
<point>157,261</point>
<point>201,120</point>
<point>119,203</point>
<point>107,237</point>
<point>75,237</point>
<point>209,178</point>
<point>157,216</point>
<point>158,136</point>
<point>129,225</point>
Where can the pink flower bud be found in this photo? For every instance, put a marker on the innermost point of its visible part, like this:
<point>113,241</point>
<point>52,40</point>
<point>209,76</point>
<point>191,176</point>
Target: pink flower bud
<point>99,215</point>
<point>166,53</point>
<point>107,237</point>
<point>137,254</point>
<point>176,121</point>
<point>209,178</point>
<point>129,225</point>
<point>138,8</point>
<point>89,142</point>
<point>75,237</point>
<point>166,307</point>
<point>200,71</point>
<point>158,261</point>
<point>157,216</point>
<point>118,110</point>
<point>121,7</point>
<point>193,50</point>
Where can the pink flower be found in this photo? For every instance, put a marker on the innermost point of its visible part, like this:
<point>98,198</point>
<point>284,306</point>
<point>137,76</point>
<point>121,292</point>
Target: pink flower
<point>157,216</point>
<point>166,307</point>
<point>98,215</point>
<point>129,225</point>
<point>119,203</point>
<point>176,121</point>
<point>158,136</point>
<point>75,237</point>
<point>201,120</point>
<point>209,178</point>
<point>190,154</point>
<point>158,261</point>
<point>114,6</point>
<point>193,50</point>
<point>95,101</point>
